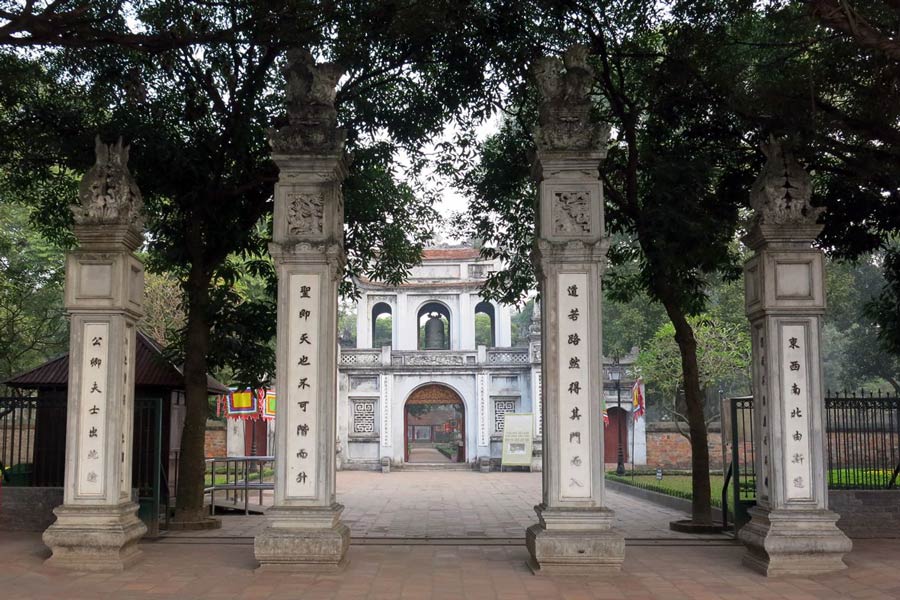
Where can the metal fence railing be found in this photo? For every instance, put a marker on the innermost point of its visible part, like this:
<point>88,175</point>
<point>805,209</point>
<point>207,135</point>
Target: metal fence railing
<point>863,441</point>
<point>236,478</point>
<point>32,441</point>
<point>862,446</point>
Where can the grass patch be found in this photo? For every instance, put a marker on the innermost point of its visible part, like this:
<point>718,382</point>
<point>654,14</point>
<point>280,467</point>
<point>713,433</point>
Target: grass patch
<point>849,479</point>
<point>445,449</point>
<point>678,486</point>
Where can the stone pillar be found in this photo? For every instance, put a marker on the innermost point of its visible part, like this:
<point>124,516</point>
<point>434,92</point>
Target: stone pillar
<point>575,533</point>
<point>97,527</point>
<point>791,532</point>
<point>534,357</point>
<point>304,530</point>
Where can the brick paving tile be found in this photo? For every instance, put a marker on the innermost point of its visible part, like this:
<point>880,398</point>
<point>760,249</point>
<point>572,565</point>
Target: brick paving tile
<point>457,504</point>
<point>431,504</point>
<point>394,572</point>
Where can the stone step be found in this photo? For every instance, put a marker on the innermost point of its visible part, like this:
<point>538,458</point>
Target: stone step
<point>432,467</point>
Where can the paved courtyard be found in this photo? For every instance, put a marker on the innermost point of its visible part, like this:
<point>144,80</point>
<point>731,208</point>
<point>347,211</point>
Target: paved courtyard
<point>477,572</point>
<point>463,539</point>
<point>456,504</point>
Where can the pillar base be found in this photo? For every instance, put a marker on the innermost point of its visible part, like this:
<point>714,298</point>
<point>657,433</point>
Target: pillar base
<point>574,541</point>
<point>303,539</point>
<point>793,542</point>
<point>95,538</point>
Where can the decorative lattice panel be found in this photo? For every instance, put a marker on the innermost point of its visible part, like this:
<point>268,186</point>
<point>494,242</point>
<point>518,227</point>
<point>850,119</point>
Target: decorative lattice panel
<point>349,359</point>
<point>501,407</point>
<point>364,416</point>
<point>508,357</point>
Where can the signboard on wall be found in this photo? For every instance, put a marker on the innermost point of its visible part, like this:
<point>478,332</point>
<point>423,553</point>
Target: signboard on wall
<point>518,437</point>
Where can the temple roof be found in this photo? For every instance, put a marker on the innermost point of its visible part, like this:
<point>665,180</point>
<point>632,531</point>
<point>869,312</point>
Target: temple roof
<point>152,369</point>
<point>462,253</point>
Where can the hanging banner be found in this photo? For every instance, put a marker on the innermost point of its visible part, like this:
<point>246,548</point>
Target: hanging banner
<point>518,437</point>
<point>247,404</point>
<point>638,404</point>
<point>269,405</point>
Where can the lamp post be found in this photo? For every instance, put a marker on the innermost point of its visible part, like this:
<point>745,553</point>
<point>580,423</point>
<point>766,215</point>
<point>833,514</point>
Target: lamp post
<point>616,375</point>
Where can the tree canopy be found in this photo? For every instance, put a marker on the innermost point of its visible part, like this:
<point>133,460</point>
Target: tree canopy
<point>689,89</point>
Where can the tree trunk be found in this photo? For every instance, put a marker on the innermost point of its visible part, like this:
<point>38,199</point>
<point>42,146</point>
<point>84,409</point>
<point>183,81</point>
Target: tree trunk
<point>191,462</point>
<point>701,505</point>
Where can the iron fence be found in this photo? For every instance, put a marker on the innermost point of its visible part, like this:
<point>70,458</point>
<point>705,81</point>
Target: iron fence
<point>862,441</point>
<point>32,441</point>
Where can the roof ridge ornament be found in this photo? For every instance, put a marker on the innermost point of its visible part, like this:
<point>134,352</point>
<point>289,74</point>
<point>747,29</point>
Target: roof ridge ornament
<point>782,192</point>
<point>565,122</point>
<point>781,198</point>
<point>310,90</point>
<point>108,194</point>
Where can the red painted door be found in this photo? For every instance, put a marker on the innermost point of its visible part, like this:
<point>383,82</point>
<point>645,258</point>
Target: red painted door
<point>617,423</point>
<point>255,442</point>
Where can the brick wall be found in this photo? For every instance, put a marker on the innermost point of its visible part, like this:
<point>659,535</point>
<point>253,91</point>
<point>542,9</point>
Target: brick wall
<point>28,508</point>
<point>214,446</point>
<point>671,450</point>
<point>867,513</point>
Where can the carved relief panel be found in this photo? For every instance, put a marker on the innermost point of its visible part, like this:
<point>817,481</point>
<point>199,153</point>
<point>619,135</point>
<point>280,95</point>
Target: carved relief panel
<point>572,213</point>
<point>305,213</point>
<point>571,210</point>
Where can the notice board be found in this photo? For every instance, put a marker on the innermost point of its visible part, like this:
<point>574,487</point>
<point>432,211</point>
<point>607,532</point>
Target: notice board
<point>518,438</point>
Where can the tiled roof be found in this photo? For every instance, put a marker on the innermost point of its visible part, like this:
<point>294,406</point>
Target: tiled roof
<point>450,253</point>
<point>152,369</point>
<point>415,283</point>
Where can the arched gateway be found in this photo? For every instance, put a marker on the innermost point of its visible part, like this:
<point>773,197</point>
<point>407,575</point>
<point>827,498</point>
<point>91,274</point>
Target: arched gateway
<point>434,425</point>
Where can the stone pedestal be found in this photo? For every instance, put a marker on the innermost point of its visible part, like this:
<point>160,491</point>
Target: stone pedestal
<point>303,530</point>
<point>95,537</point>
<point>574,534</point>
<point>303,539</point>
<point>791,531</point>
<point>97,526</point>
<point>574,541</point>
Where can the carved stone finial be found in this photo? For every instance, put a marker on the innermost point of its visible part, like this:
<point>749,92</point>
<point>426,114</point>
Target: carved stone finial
<point>312,118</point>
<point>108,194</point>
<point>782,192</point>
<point>565,109</point>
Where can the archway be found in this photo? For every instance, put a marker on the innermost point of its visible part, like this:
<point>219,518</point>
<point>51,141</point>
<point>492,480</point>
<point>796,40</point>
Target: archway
<point>439,313</point>
<point>485,324</point>
<point>434,426</point>
<point>382,325</point>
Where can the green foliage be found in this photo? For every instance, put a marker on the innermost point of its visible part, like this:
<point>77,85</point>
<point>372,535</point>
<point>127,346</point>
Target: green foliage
<point>163,307</point>
<point>520,324</point>
<point>484,333</point>
<point>33,325</point>
<point>383,331</point>
<point>629,323</point>
<point>723,358</point>
<point>856,349</point>
<point>347,325</point>
<point>884,311</point>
